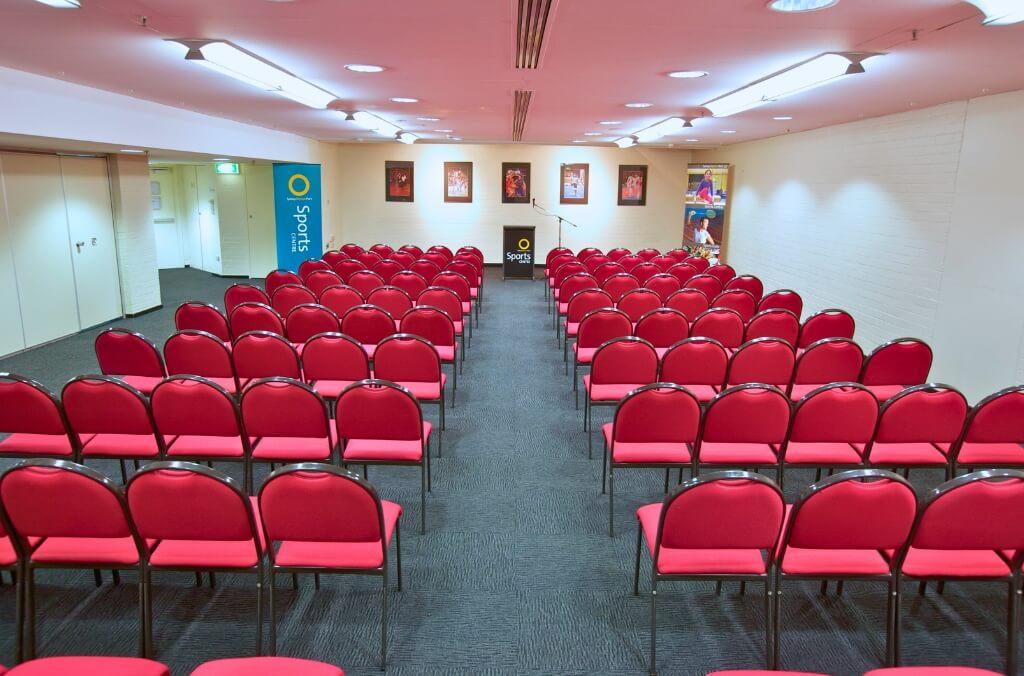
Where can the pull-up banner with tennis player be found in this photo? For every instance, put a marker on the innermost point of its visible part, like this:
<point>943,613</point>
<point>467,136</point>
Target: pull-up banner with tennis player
<point>297,214</point>
<point>518,258</point>
<point>707,190</point>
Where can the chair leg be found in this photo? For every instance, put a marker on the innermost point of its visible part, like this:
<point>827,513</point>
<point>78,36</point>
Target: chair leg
<point>272,615</point>
<point>116,574</point>
<point>768,633</point>
<point>295,581</point>
<point>384,622</point>
<point>441,403</point>
<point>30,612</point>
<point>148,584</point>
<point>890,619</point>
<point>423,497</point>
<point>636,567</point>
<point>142,613</point>
<point>316,581</point>
<point>1012,625</point>
<point>97,577</point>
<point>604,463</point>
<point>611,501</point>
<point>666,479</point>
<point>654,620</point>
<point>898,600</point>
<point>19,613</point>
<point>213,580</point>
<point>259,608</point>
<point>776,620</point>
<point>124,473</point>
<point>398,553</point>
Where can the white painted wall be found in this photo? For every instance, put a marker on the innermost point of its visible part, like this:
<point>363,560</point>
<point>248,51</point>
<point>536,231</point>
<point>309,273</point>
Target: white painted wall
<point>133,229</point>
<point>360,213</point>
<point>913,222</point>
<point>259,198</point>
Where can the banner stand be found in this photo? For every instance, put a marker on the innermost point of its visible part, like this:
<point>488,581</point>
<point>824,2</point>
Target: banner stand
<point>297,214</point>
<point>518,252</point>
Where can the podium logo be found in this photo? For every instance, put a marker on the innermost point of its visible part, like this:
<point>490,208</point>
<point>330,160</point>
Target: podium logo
<point>523,244</point>
<point>300,179</point>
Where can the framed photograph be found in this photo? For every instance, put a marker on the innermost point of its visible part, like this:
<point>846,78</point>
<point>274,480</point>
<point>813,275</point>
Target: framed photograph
<point>575,184</point>
<point>398,181</point>
<point>632,185</point>
<point>458,181</point>
<point>515,182</point>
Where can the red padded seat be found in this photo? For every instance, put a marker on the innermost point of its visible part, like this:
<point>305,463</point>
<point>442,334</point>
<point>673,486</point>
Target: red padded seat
<point>90,666</point>
<point>266,666</point>
<point>673,561</point>
<point>339,554</point>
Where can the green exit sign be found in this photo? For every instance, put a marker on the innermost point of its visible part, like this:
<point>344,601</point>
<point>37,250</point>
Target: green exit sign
<point>227,167</point>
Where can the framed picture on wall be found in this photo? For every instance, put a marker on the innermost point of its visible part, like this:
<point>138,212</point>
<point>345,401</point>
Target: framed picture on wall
<point>515,182</point>
<point>632,185</point>
<point>458,181</point>
<point>574,184</point>
<point>398,181</point>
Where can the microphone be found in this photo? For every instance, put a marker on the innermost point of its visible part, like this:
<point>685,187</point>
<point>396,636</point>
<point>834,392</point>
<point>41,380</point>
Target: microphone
<point>534,202</point>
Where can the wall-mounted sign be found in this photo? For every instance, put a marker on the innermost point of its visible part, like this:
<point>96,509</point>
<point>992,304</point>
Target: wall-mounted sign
<point>297,213</point>
<point>226,167</point>
<point>518,258</point>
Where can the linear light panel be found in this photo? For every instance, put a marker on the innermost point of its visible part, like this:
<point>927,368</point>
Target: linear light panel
<point>1000,12</point>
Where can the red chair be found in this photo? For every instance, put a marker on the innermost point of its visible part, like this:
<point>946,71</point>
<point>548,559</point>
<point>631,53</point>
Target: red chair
<point>460,285</point>
<point>699,364</point>
<point>648,254</point>
<point>630,261</point>
<point>592,263</point>
<point>664,285</point>
<point>382,250</point>
<point>442,250</point>
<point>410,282</point>
<point>369,325</point>
<point>617,253</point>
<point>568,288</point>
<point>347,268</point>
<point>286,422</point>
<point>111,420</point>
<point>131,357</point>
<point>387,269</point>
<point>829,429</point>
<point>830,360</point>
<point>773,323</point>
<point>645,271</point>
<point>916,428</point>
<point>587,252</point>
<point>306,321</point>
<point>255,317</point>
<point>321,280</point>
<point>333,361</point>
<point>194,518</point>
<point>261,354</point>
<point>65,516</point>
<point>662,327</point>
<point>352,250</point>
<point>744,426</point>
<point>698,262</point>
<point>993,433</point>
<point>739,300</point>
<point>368,258</point>
<point>895,365</point>
<point>638,302</point>
<point>279,278</point>
<point>655,427</point>
<point>404,258</point>
<point>619,366</point>
<point>720,526</point>
<point>972,528</point>
<point>199,353</point>
<point>619,285</point>
<point>762,360</point>
<point>435,257</point>
<point>707,284</point>
<point>748,283</point>
<point>341,299</point>
<point>678,255</point>
<point>290,296</point>
<point>690,302</point>
<point>105,666</point>
<point>471,271</point>
<point>447,301</point>
<point>33,421</point>
<point>664,262</point>
<point>851,526</point>
<point>927,671</point>
<point>606,270</point>
<point>784,299</point>
<point>684,272</point>
<point>473,250</point>
<point>236,294</point>
<point>412,362</point>
<point>329,520</point>
<point>311,265</point>
<point>332,258</point>
<point>762,672</point>
<point>434,325</point>
<point>596,328</point>
<point>412,249</point>
<point>380,423</point>
<point>722,324</point>
<point>199,420</point>
<point>581,303</point>
<point>425,269</point>
<point>722,272</point>
<point>831,323</point>
<point>365,281</point>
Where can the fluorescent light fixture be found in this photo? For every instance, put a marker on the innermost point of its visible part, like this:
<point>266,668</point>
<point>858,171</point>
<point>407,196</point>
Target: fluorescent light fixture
<point>782,118</point>
<point>454,138</point>
<point>429,119</point>
<point>578,140</point>
<point>406,137</point>
<point>132,151</point>
<point>229,60</point>
<point>593,133</point>
<point>656,131</point>
<point>62,4</point>
<point>404,99</point>
<point>626,142</point>
<point>1000,12</point>
<point>639,104</point>
<point>610,122</point>
<point>364,68</point>
<point>693,140</point>
<point>375,124</point>
<point>443,131</point>
<point>800,5</point>
<point>804,76</point>
<point>728,131</point>
<point>687,74</point>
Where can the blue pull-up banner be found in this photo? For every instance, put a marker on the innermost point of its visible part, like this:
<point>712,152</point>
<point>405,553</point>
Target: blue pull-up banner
<point>297,214</point>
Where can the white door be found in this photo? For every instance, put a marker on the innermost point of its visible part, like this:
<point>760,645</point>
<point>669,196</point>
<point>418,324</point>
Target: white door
<point>91,228</point>
<point>164,207</point>
<point>234,229</point>
<point>259,200</point>
<point>188,214</point>
<point>12,337</point>
<point>209,224</point>
<point>38,224</point>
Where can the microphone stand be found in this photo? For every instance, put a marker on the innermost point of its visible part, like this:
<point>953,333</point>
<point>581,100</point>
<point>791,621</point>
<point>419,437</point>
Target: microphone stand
<point>545,212</point>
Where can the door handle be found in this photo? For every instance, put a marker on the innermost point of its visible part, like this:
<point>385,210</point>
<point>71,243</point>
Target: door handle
<point>79,245</point>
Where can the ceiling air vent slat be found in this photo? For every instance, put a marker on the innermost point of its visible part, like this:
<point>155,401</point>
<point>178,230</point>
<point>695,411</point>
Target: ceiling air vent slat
<point>530,27</point>
<point>521,107</point>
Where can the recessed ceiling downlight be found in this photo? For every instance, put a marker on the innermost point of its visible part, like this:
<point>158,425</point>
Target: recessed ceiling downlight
<point>362,67</point>
<point>800,5</point>
<point>687,74</point>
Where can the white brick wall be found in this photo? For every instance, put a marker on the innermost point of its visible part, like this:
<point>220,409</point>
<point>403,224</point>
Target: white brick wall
<point>133,229</point>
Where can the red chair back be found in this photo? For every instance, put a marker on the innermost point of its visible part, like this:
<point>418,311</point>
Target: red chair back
<point>678,255</point>
<point>387,269</point>
<point>455,282</point>
<point>392,299</point>
<point>198,353</point>
<point>404,258</point>
<point>557,261</point>
<point>838,412</point>
<point>468,270</point>
<point>441,249</point>
<point>311,265</point>
<point>340,299</point>
<point>236,294</point>
<point>664,285</point>
<point>904,361</point>
<point>378,409</point>
<point>752,413</point>
<point>979,511</point>
<point>587,252</point>
<point>352,249</point>
<point>404,358</point>
<point>290,296</point>
<point>690,302</point>
<point>334,356</point>
<point>411,249</point>
<point>739,300</point>
<point>662,327</point>
<point>255,317</point>
<point>306,321</point>
<point>998,418</point>
<point>664,262</point>
<point>722,272</point>
<point>121,352</point>
<point>929,413</point>
<point>627,359</point>
<point>831,323</point>
<point>332,258</point>
<point>709,285</point>
<point>599,326</point>
<point>762,360</point>
<point>412,283</point>
<point>699,262</point>
<point>284,407</point>
<point>368,258</point>
<point>431,323</point>
<point>620,284</point>
<point>630,261</point>
<point>437,258</point>
<point>279,278</point>
<point>617,253</point>
<point>829,360</point>
<point>320,280</point>
<point>645,271</point>
<point>445,299</point>
<point>365,281</point>
<point>575,283</point>
<point>606,270</point>
<point>748,283</point>
<point>566,269</point>
<point>425,269</point>
<point>195,406</point>
<point>695,361</point>
<point>684,272</point>
<point>347,268</point>
<point>773,323</point>
<point>28,407</point>
<point>648,254</point>
<point>638,302</point>
<point>261,354</point>
<point>104,405</point>
<point>382,250</point>
<point>368,324</point>
<point>722,324</point>
<point>657,413</point>
<point>583,302</point>
<point>592,263</point>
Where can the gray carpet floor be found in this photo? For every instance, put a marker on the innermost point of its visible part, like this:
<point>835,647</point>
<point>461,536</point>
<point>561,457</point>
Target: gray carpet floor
<point>516,573</point>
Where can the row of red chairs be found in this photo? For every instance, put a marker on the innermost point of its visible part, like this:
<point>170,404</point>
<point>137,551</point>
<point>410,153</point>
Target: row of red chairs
<point>182,516</point>
<point>864,524</point>
<point>567,280</point>
<point>886,671</point>
<point>836,426</point>
<point>275,420</point>
<point>137,666</point>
